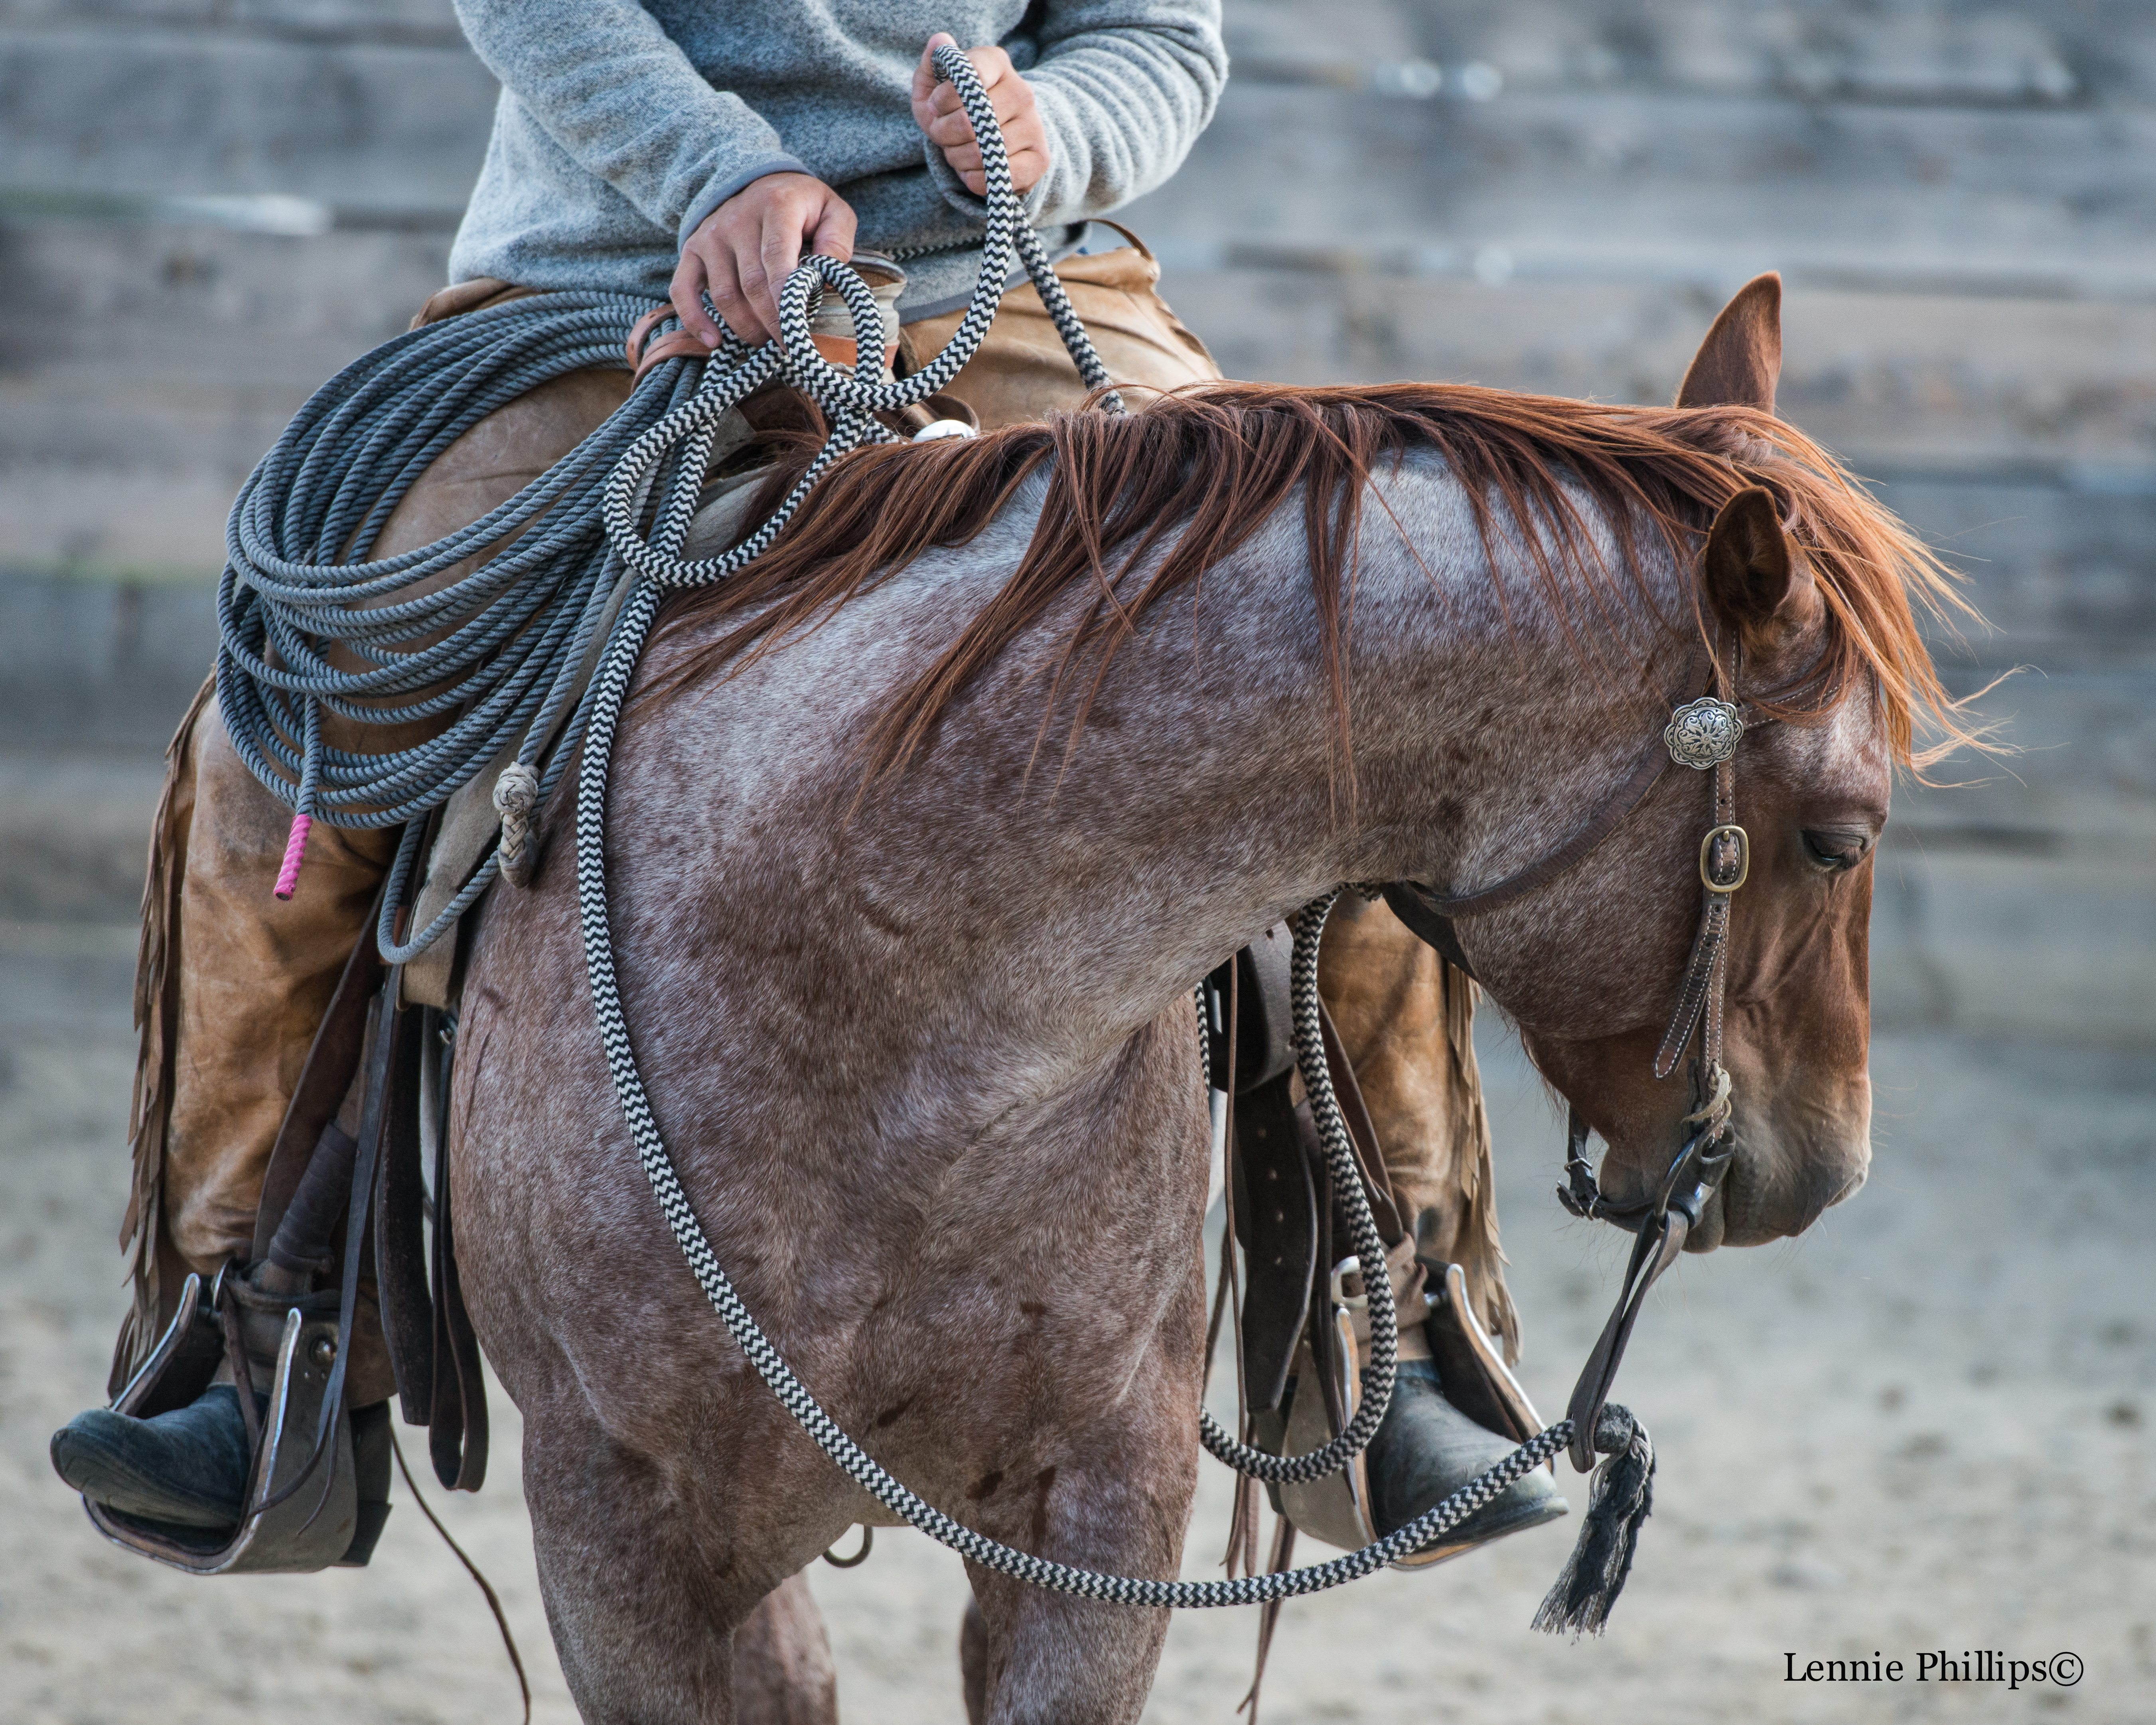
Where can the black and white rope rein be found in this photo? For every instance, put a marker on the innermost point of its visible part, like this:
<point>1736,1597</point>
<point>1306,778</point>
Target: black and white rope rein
<point>501,646</point>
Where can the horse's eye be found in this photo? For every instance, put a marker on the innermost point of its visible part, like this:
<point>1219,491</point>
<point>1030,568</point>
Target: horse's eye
<point>1827,848</point>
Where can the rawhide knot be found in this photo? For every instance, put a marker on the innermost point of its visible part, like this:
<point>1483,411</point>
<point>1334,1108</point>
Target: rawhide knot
<point>1715,1110</point>
<point>516,795</point>
<point>1614,1428</point>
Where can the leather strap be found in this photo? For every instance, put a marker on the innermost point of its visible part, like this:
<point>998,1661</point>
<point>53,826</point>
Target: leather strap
<point>332,1060</point>
<point>1259,1044</point>
<point>1410,903</point>
<point>242,1373</point>
<point>1647,767</point>
<point>304,1243</point>
<point>1276,1216</point>
<point>1653,1252</point>
<point>366,1164</point>
<point>400,1255</point>
<point>457,1438</point>
<point>1702,986</point>
<point>458,1400</point>
<point>1664,1223</point>
<point>182,1363</point>
<point>1130,239</point>
<point>1724,863</point>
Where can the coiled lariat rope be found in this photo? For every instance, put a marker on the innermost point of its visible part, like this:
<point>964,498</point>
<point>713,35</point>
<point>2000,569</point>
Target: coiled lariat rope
<point>503,645</point>
<point>499,646</point>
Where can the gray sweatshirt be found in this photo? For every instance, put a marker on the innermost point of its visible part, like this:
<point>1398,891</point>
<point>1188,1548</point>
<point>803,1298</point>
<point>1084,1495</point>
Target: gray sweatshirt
<point>622,126</point>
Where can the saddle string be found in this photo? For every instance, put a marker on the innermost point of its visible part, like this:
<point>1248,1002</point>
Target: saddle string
<point>486,1587</point>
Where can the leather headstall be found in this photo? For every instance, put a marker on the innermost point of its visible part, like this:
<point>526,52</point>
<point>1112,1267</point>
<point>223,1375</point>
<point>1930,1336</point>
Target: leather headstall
<point>1702,734</point>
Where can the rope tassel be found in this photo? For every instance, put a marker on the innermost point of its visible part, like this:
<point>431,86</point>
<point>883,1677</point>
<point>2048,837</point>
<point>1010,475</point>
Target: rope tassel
<point>1619,1500</point>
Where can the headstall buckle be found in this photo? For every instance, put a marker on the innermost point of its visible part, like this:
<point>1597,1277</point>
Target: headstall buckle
<point>1704,733</point>
<point>1709,874</point>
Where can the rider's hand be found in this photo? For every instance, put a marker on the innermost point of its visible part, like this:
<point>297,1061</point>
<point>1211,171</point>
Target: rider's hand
<point>745,249</point>
<point>938,110</point>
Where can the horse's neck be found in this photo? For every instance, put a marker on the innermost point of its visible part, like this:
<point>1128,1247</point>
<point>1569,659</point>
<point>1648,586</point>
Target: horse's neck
<point>1034,907</point>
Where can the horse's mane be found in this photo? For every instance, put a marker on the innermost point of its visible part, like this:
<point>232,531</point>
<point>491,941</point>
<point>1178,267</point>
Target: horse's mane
<point>1205,469</point>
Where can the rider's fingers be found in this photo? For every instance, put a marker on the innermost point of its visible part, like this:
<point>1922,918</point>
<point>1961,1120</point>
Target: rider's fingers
<point>1008,100</point>
<point>731,291</point>
<point>1027,166</point>
<point>687,293</point>
<point>993,66</point>
<point>950,131</point>
<point>777,256</point>
<point>926,83</point>
<point>831,232</point>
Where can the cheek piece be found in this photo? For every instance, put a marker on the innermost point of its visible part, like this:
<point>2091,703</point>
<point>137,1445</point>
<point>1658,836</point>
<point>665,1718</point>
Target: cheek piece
<point>1703,734</point>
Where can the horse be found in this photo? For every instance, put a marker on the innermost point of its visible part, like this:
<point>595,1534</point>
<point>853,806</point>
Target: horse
<point>921,831</point>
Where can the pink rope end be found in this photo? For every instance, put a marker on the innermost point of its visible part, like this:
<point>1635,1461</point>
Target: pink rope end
<point>295,853</point>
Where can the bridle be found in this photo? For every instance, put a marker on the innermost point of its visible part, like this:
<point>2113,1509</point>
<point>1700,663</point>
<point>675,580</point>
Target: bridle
<point>1703,734</point>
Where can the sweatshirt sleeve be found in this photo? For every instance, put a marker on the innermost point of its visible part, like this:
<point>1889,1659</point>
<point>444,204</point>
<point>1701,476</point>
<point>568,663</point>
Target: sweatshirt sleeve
<point>1124,89</point>
<point>611,88</point>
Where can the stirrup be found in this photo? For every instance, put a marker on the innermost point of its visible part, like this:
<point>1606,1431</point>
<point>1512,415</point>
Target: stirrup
<point>322,1522</point>
<point>1477,1382</point>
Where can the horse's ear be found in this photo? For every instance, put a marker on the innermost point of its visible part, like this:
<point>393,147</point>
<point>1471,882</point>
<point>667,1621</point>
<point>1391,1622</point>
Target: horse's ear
<point>1739,362</point>
<point>1752,581</point>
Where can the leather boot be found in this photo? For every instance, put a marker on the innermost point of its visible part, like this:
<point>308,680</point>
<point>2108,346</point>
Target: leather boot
<point>185,1469</point>
<point>189,1467</point>
<point>1455,1413</point>
<point>1426,1449</point>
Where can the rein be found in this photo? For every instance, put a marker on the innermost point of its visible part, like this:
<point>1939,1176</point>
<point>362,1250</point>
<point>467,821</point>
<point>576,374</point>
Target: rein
<point>504,647</point>
<point>1575,1603</point>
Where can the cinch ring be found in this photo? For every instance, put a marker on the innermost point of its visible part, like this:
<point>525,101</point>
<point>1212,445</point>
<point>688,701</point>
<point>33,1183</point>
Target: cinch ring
<point>1743,859</point>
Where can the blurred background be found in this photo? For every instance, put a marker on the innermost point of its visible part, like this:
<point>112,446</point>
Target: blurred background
<point>1922,1427</point>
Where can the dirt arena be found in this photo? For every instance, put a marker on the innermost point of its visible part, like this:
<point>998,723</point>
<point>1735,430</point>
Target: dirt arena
<point>1922,1429</point>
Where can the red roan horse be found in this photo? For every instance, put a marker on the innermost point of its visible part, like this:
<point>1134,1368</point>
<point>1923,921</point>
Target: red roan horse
<point>908,953</point>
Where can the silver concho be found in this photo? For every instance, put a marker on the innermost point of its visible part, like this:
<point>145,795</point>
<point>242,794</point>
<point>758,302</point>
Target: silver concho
<point>1703,733</point>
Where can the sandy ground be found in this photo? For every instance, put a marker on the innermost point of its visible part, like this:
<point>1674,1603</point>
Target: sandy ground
<point>1924,1428</point>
